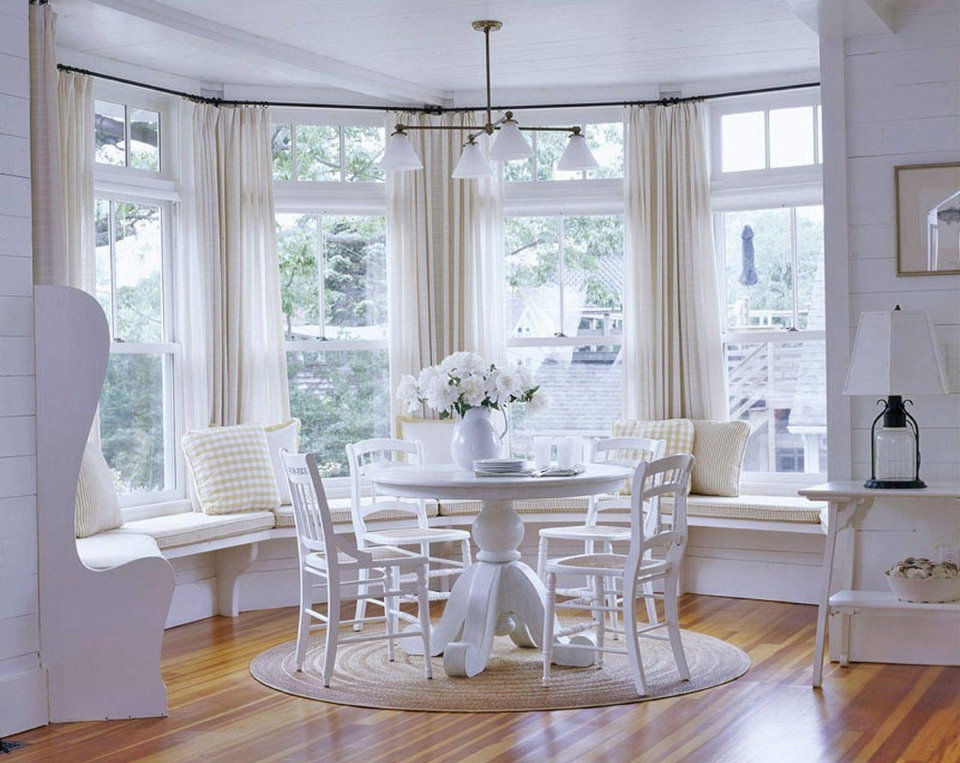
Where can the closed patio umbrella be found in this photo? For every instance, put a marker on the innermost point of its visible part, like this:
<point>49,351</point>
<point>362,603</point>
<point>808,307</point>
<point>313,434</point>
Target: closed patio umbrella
<point>748,273</point>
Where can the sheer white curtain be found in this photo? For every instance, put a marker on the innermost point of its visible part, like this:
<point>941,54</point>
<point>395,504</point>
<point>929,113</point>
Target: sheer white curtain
<point>75,97</point>
<point>229,278</point>
<point>445,253</point>
<point>672,354</point>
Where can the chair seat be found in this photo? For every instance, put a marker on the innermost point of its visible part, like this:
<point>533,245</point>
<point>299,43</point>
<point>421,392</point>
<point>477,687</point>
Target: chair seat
<point>416,535</point>
<point>385,555</point>
<point>583,532</point>
<point>604,564</point>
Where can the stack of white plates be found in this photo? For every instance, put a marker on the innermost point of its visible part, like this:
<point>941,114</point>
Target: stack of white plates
<point>501,466</point>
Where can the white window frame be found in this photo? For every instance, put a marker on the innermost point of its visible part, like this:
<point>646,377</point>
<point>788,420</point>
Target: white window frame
<point>780,178</point>
<point>340,190</point>
<point>128,184</point>
<point>763,189</point>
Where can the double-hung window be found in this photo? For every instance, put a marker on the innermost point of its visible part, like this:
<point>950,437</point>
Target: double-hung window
<point>769,233</point>
<point>563,235</point>
<point>139,411</point>
<point>331,239</point>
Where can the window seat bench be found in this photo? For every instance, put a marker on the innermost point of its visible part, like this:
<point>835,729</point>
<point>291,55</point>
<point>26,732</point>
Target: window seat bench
<point>749,546</point>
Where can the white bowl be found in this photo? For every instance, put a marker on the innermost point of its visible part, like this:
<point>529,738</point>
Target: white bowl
<point>925,589</point>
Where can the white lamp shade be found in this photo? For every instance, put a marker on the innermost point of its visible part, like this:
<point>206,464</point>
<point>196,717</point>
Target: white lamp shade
<point>399,154</point>
<point>510,144</point>
<point>577,156</point>
<point>896,353</point>
<point>472,164</point>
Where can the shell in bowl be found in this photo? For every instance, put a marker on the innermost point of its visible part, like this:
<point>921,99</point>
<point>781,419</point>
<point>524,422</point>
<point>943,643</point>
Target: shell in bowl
<point>920,580</point>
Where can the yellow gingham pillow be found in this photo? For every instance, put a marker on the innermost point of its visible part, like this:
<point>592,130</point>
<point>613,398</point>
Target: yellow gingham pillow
<point>678,434</point>
<point>232,469</point>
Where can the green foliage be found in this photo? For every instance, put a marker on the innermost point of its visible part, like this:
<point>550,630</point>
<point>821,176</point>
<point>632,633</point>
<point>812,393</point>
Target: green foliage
<point>339,397</point>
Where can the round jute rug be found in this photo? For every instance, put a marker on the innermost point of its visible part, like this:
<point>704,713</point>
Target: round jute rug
<point>511,682</point>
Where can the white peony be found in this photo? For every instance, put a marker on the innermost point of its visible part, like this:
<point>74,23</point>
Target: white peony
<point>440,395</point>
<point>473,389</point>
<point>427,376</point>
<point>508,385</point>
<point>407,389</point>
<point>538,402</point>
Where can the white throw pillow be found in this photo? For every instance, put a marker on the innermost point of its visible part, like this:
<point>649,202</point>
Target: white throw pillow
<point>719,447</point>
<point>97,507</point>
<point>285,435</point>
<point>231,469</point>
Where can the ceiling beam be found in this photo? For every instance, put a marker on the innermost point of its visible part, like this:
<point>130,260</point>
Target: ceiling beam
<point>329,72</point>
<point>845,18</point>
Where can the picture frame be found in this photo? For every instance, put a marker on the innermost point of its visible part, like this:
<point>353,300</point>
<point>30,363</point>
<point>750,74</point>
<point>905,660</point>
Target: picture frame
<point>928,219</point>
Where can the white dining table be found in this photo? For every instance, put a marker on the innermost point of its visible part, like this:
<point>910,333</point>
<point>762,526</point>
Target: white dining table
<point>498,595</point>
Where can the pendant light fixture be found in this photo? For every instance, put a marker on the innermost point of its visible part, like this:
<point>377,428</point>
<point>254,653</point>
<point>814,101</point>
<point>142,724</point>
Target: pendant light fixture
<point>509,143</point>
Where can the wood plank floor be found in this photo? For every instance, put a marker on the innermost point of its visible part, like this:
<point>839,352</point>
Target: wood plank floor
<point>218,712</point>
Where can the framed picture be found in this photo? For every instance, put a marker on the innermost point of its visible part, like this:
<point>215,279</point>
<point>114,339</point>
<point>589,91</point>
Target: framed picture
<point>928,219</point>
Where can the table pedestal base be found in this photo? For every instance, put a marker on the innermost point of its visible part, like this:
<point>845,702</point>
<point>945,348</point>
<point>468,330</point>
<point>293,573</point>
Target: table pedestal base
<point>493,599</point>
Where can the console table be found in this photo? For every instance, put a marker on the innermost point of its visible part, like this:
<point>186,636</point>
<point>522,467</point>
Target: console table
<point>848,504</point>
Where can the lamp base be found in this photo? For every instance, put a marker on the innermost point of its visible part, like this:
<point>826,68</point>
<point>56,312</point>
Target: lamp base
<point>894,484</point>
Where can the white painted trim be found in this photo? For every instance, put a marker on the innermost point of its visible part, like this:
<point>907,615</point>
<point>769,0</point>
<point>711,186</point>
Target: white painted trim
<point>23,701</point>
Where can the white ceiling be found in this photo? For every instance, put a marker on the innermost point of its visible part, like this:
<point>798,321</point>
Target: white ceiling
<point>425,51</point>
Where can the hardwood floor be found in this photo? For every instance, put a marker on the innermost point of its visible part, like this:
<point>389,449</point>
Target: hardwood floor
<point>218,712</point>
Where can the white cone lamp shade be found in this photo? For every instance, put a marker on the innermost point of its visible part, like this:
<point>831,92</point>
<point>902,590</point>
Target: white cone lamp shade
<point>399,154</point>
<point>510,143</point>
<point>896,352</point>
<point>472,164</point>
<point>577,155</point>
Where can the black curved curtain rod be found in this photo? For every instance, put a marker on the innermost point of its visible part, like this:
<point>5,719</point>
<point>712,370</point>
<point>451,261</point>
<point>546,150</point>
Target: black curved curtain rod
<point>434,109</point>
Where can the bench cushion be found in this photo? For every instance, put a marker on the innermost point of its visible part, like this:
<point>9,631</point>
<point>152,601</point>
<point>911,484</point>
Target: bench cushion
<point>111,549</point>
<point>340,513</point>
<point>189,527</point>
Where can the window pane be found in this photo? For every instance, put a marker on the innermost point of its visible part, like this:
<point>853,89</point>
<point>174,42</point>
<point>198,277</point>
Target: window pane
<point>520,170</point>
<point>298,247</point>
<point>139,263</point>
<point>110,133</point>
<point>318,153</point>
<point>131,422</point>
<point>355,277</point>
<point>742,142</point>
<point>339,397</point>
<point>363,148</point>
<point>606,143</point>
<point>145,139</point>
<point>810,291</point>
<point>583,391</point>
<point>791,137</point>
<point>533,275</point>
<point>550,147</point>
<point>593,267</point>
<point>781,390</point>
<point>280,151</point>
<point>104,287</point>
<point>759,270</point>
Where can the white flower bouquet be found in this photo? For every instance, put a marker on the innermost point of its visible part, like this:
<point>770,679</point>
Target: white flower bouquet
<point>464,380</point>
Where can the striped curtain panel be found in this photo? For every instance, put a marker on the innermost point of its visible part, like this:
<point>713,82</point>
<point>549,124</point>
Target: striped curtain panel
<point>673,366</point>
<point>445,246</point>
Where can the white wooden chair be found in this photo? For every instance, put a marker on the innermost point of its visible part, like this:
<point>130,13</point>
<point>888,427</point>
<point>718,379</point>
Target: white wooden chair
<point>621,451</point>
<point>360,456</point>
<point>335,563</point>
<point>635,571</point>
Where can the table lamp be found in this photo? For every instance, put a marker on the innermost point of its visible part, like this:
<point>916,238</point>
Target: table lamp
<point>895,353</point>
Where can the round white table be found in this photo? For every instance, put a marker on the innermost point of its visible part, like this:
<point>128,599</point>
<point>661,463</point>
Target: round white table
<point>498,594</point>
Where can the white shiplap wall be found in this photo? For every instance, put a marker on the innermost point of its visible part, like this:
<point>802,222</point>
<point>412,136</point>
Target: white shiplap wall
<point>902,94</point>
<point>23,701</point>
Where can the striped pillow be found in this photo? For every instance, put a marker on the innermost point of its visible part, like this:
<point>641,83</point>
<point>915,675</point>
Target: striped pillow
<point>719,447</point>
<point>678,434</point>
<point>231,469</point>
<point>97,507</point>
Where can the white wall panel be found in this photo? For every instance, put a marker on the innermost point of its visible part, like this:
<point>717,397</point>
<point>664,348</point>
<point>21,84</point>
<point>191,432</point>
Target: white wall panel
<point>15,236</point>
<point>14,116</point>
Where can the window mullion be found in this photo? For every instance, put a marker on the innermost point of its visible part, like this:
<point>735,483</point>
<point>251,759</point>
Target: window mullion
<point>795,268</point>
<point>560,271</point>
<point>343,154</point>
<point>111,222</point>
<point>321,280</point>
<point>293,153</point>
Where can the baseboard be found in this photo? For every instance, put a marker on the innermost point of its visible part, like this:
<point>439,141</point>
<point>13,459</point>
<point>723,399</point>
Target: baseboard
<point>23,701</point>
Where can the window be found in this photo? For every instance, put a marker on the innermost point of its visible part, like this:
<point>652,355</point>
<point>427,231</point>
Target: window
<point>127,135</point>
<point>333,272</point>
<point>772,288</point>
<point>605,141</point>
<point>565,318</point>
<point>138,405</point>
<point>327,153</point>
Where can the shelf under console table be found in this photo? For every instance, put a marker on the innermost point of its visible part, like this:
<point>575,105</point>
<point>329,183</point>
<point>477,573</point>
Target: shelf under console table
<point>856,551</point>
